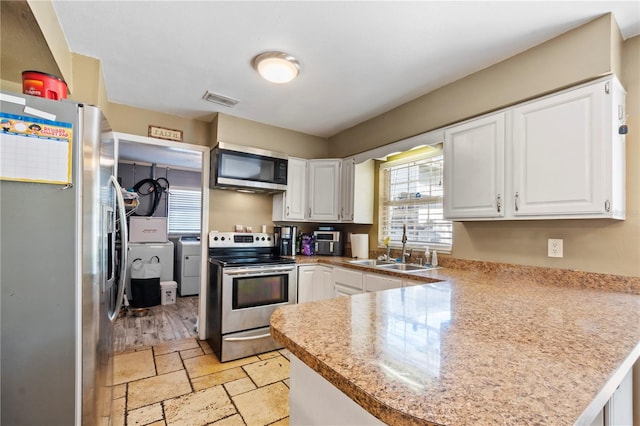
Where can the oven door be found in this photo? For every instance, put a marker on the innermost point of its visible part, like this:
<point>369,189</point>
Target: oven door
<point>251,294</point>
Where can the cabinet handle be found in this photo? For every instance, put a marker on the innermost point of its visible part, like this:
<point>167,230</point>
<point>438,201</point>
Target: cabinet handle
<point>288,210</point>
<point>607,206</point>
<point>517,201</point>
<point>309,211</point>
<point>498,203</point>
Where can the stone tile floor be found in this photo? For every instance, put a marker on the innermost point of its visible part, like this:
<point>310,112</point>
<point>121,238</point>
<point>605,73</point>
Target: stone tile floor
<point>183,383</point>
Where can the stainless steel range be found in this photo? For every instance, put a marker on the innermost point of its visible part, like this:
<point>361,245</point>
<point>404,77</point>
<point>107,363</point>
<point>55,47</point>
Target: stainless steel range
<point>248,280</point>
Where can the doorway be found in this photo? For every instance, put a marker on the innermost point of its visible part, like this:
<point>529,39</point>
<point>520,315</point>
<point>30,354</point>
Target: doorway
<point>183,167</point>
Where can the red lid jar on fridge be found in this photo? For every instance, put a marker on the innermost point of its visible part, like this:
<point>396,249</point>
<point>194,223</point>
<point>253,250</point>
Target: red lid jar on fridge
<point>36,83</point>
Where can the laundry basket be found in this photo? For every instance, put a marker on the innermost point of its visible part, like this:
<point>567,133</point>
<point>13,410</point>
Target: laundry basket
<point>145,283</point>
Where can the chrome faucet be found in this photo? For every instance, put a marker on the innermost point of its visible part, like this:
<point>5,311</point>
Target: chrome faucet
<point>404,241</point>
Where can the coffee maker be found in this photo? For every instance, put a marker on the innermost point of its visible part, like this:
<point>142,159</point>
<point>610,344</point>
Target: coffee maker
<point>285,239</point>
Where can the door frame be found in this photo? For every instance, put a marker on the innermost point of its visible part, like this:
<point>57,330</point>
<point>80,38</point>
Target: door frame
<point>204,225</point>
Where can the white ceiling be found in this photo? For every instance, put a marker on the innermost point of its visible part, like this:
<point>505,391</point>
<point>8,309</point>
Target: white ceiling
<point>358,59</point>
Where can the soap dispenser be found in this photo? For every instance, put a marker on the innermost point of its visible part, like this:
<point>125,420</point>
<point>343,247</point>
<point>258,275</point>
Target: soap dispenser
<point>427,257</point>
<point>434,259</point>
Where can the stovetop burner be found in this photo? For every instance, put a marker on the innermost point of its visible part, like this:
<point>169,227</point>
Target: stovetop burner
<point>251,261</point>
<point>244,249</point>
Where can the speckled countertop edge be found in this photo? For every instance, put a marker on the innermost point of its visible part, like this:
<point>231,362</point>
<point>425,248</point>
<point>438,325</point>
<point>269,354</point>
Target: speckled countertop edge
<point>514,274</point>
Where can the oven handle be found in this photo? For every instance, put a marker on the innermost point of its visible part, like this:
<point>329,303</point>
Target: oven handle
<point>257,271</point>
<point>240,339</point>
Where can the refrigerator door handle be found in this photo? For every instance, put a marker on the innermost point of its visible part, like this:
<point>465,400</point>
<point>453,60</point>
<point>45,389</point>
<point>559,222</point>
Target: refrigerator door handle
<point>124,247</point>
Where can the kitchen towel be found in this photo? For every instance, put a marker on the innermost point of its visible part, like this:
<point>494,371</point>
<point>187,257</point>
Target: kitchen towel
<point>360,246</point>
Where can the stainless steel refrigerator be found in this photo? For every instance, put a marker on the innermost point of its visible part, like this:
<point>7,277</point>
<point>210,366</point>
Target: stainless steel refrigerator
<point>61,269</point>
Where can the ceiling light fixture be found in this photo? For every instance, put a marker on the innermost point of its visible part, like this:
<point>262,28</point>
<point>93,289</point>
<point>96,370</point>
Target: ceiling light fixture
<point>276,67</point>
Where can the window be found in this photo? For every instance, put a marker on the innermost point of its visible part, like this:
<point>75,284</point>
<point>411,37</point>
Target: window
<point>184,211</point>
<point>411,193</point>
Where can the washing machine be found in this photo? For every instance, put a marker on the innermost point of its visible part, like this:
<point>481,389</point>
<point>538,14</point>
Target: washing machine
<point>145,251</point>
<point>187,266</point>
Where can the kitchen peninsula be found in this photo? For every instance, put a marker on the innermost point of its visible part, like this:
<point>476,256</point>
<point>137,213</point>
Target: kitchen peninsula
<point>480,347</point>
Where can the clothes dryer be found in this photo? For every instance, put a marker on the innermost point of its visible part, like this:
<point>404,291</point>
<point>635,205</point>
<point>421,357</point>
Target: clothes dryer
<point>188,262</point>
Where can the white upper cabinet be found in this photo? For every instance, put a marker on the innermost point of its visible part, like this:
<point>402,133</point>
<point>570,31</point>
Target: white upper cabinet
<point>357,191</point>
<point>474,168</point>
<point>324,190</point>
<point>556,157</point>
<point>566,154</point>
<point>291,205</point>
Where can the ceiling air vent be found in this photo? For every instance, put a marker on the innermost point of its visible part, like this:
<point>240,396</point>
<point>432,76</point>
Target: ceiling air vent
<point>219,99</point>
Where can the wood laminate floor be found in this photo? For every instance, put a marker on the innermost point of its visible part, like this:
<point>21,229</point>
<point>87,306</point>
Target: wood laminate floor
<point>163,323</point>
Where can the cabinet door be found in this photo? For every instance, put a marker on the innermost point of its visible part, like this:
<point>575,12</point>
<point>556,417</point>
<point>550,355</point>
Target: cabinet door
<point>357,191</point>
<point>619,409</point>
<point>474,162</point>
<point>343,290</point>
<point>324,190</point>
<point>558,156</point>
<point>306,284</point>
<point>296,194</point>
<point>348,278</point>
<point>347,189</point>
<point>376,282</point>
<point>324,283</point>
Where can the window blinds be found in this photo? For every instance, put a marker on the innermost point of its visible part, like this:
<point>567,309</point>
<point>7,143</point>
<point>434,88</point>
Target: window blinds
<point>412,194</point>
<point>184,211</point>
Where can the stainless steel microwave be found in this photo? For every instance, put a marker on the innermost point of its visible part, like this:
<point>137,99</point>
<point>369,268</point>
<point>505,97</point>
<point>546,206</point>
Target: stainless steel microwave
<point>248,169</point>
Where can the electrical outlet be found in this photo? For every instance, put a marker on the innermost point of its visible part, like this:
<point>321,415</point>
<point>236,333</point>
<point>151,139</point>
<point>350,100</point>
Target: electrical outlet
<point>554,247</point>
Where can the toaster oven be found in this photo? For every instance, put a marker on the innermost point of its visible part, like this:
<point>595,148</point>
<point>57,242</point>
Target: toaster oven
<point>328,243</point>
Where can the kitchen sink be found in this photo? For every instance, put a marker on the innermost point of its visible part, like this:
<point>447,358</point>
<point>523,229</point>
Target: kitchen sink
<point>372,262</point>
<point>404,267</point>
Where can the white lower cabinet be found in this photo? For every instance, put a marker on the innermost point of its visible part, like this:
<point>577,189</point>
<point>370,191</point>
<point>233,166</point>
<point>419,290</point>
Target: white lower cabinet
<point>347,282</point>
<point>377,282</point>
<point>306,275</point>
<point>315,282</point>
<point>619,409</point>
<point>409,283</point>
<point>313,400</point>
<point>319,282</point>
<point>324,283</point>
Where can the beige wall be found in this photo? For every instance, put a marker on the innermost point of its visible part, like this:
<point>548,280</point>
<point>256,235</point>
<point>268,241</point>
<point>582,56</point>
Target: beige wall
<point>578,55</point>
<point>251,133</point>
<point>136,121</point>
<point>229,208</point>
<point>22,46</point>
<point>587,52</point>
<point>584,53</point>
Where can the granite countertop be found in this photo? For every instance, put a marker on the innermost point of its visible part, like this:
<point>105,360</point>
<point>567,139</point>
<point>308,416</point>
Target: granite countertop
<point>478,347</point>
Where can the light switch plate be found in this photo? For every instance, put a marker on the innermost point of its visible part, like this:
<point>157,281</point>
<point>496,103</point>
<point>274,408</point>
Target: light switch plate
<point>554,247</point>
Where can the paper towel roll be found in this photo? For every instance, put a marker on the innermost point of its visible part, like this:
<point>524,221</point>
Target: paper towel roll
<point>360,246</point>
